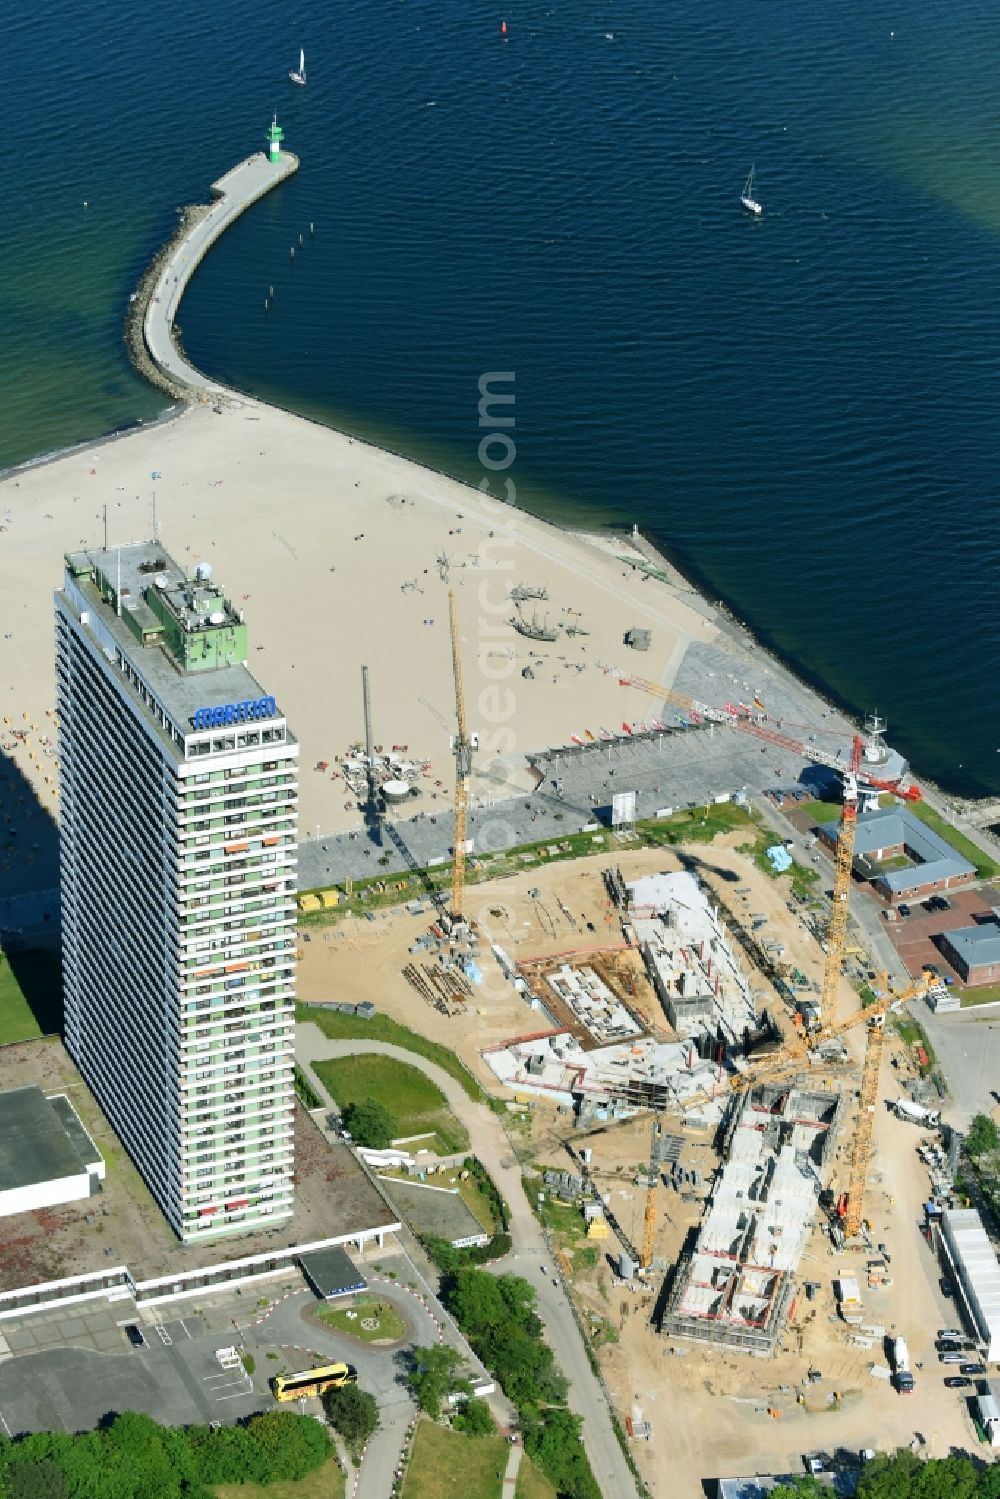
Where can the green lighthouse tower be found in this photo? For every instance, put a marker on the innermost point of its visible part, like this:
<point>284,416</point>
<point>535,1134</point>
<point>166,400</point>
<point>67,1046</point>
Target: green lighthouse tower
<point>274,138</point>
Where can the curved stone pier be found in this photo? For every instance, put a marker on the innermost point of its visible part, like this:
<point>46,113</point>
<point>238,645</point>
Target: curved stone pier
<point>234,193</point>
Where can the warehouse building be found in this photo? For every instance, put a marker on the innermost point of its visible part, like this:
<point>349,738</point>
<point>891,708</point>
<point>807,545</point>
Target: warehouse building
<point>46,1155</point>
<point>974,1263</point>
<point>903,858</point>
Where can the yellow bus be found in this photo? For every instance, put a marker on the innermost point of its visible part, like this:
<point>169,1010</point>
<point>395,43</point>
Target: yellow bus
<point>313,1381</point>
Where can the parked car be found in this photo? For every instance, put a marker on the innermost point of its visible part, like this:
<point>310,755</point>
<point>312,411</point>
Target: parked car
<point>949,1332</point>
<point>903,910</point>
<point>134,1335</point>
<point>952,1358</point>
<point>946,1287</point>
<point>973,1369</point>
<point>957,1382</point>
<point>942,903</point>
<point>947,1345</point>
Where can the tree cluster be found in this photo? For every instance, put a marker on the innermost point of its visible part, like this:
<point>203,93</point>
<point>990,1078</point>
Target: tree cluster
<point>497,1315</point>
<point>133,1457</point>
<point>370,1123</point>
<point>983,1136</point>
<point>449,1260</point>
<point>352,1412</point>
<point>904,1476</point>
<point>437,1372</point>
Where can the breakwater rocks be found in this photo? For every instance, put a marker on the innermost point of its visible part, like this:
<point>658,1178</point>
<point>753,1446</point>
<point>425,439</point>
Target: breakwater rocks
<point>135,314</point>
<point>151,334</point>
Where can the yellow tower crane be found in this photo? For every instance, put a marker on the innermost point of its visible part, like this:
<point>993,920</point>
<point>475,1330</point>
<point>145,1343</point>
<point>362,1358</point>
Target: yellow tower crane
<point>792,1056</point>
<point>462,746</point>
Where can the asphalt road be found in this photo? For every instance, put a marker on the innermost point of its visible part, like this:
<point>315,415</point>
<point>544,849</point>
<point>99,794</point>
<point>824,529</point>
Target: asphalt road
<point>529,1256</point>
<point>967,1043</point>
<point>379,1372</point>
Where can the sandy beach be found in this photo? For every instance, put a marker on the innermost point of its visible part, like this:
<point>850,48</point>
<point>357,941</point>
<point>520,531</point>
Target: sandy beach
<point>342,554</point>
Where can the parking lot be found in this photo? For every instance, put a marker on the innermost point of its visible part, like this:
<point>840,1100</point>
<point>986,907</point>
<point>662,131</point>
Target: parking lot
<point>69,1369</point>
<point>913,935</point>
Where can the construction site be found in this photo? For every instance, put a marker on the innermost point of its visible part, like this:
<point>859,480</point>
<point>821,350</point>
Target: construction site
<point>695,1095</point>
<point>735,1287</point>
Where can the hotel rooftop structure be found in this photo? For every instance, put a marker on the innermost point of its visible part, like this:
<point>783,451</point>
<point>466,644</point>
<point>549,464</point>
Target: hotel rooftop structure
<point>178,877</point>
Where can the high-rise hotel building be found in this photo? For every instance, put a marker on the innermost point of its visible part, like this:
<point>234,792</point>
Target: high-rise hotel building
<point>177,870</point>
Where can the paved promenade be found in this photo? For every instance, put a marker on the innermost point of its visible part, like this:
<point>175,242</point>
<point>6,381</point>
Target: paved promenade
<point>234,194</point>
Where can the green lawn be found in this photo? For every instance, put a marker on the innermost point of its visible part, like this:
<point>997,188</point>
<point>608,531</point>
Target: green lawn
<point>819,813</point>
<point>985,866</point>
<point>531,1484</point>
<point>447,1465</point>
<point>389,1324</point>
<point>341,1027</point>
<point>476,1201</point>
<point>418,1106</point>
<point>895,861</point>
<point>30,995</point>
<point>913,1033</point>
<point>985,994</point>
<point>326,1483</point>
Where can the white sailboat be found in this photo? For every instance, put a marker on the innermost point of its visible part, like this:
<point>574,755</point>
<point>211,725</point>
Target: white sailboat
<point>748,200</point>
<point>300,75</point>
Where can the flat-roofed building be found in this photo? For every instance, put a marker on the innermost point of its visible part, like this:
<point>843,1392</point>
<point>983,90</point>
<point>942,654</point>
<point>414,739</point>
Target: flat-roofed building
<point>977,1270</point>
<point>178,876</point>
<point>46,1156</point>
<point>974,952</point>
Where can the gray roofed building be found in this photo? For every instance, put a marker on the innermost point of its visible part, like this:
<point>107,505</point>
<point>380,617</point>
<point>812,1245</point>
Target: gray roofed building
<point>44,1161</point>
<point>974,951</point>
<point>891,832</point>
<point>331,1272</point>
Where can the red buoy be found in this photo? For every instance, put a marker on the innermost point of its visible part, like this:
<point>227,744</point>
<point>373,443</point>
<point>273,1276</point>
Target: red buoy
<point>503,28</point>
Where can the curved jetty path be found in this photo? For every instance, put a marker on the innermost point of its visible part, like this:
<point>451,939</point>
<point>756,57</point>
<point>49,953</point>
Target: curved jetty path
<point>234,193</point>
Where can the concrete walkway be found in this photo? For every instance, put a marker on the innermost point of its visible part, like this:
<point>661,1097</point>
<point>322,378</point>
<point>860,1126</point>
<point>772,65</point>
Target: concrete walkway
<point>510,1473</point>
<point>530,1257</point>
<point>234,193</point>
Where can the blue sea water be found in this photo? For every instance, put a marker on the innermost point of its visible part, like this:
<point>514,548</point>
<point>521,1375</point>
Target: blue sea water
<point>801,411</point>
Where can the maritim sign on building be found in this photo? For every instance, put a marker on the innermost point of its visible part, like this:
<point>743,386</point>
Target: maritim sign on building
<point>245,712</point>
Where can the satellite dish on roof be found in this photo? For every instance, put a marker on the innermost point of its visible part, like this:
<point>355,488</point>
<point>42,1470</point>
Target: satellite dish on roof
<point>217,617</point>
<point>203,571</point>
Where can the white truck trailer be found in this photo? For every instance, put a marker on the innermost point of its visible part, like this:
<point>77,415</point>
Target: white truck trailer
<point>905,1108</point>
<point>902,1377</point>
